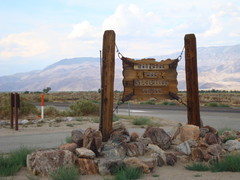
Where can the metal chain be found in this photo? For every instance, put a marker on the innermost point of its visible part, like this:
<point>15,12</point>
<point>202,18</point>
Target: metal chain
<point>119,54</point>
<point>180,56</point>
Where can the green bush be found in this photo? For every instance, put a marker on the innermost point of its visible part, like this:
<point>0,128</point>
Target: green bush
<point>223,105</point>
<point>222,130</point>
<point>150,102</point>
<point>166,103</point>
<point>65,173</point>
<point>51,111</point>
<point>197,167</point>
<point>213,104</point>
<point>128,173</point>
<point>11,164</point>
<point>115,118</point>
<point>141,121</point>
<point>27,108</point>
<point>228,163</point>
<point>84,107</point>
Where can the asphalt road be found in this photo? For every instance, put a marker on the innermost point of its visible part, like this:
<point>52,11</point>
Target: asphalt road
<point>216,117</point>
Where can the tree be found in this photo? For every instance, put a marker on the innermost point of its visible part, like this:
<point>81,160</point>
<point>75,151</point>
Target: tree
<point>46,90</point>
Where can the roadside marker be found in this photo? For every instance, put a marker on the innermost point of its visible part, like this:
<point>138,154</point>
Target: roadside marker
<point>42,107</point>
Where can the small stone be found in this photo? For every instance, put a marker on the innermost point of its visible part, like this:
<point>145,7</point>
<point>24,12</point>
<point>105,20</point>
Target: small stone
<point>197,154</point>
<point>108,167</point>
<point>215,150</point>
<point>70,147</point>
<point>87,166</point>
<point>85,153</point>
<point>134,136</point>
<point>184,148</point>
<point>211,129</point>
<point>135,162</point>
<point>171,159</point>
<point>203,131</point>
<point>211,138</point>
<point>23,122</point>
<point>144,141</point>
<point>158,136</point>
<point>77,137</point>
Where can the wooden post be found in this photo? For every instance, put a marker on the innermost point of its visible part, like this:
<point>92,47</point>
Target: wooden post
<point>107,85</point>
<point>192,79</point>
<point>16,102</point>
<point>11,108</point>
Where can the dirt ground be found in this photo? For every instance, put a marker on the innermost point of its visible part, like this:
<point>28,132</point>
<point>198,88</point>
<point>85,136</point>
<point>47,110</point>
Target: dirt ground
<point>177,172</point>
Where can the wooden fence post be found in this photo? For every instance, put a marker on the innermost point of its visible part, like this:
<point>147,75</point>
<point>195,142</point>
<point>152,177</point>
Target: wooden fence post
<point>17,103</point>
<point>192,79</point>
<point>11,108</point>
<point>107,84</point>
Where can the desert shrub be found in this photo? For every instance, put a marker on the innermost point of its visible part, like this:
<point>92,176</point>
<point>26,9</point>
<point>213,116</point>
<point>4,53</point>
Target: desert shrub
<point>166,103</point>
<point>222,130</point>
<point>84,107</point>
<point>128,173</point>
<point>11,164</point>
<point>142,121</point>
<point>213,104</point>
<point>223,105</point>
<point>51,111</point>
<point>65,173</point>
<point>27,108</point>
<point>150,102</point>
<point>197,167</point>
<point>115,118</point>
<point>230,162</point>
<point>68,139</point>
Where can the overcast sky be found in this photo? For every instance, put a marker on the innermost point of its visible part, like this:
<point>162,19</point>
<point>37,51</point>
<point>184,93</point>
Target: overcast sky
<point>37,33</point>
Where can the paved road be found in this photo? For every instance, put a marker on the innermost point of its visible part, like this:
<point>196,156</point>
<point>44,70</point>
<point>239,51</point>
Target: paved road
<point>220,118</point>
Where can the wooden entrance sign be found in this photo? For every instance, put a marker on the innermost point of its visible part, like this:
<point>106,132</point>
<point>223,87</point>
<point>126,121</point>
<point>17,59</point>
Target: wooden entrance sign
<point>147,78</point>
<point>107,84</point>
<point>192,79</point>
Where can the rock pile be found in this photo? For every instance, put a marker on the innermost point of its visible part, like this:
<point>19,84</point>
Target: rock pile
<point>154,148</point>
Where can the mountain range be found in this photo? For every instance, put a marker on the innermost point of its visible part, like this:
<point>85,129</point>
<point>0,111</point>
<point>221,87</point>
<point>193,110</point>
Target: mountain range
<point>218,68</point>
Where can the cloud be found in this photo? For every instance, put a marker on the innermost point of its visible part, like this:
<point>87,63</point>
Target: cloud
<point>84,30</point>
<point>130,20</point>
<point>23,44</point>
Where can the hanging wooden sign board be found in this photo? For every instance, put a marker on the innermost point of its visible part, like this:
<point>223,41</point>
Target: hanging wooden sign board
<point>148,78</point>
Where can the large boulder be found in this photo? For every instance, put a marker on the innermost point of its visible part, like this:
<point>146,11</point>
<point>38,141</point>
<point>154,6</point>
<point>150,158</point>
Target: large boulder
<point>87,166</point>
<point>232,145</point>
<point>92,139</point>
<point>77,137</point>
<point>134,149</point>
<point>43,162</point>
<point>112,151</point>
<point>158,137</point>
<point>189,132</point>
<point>211,138</point>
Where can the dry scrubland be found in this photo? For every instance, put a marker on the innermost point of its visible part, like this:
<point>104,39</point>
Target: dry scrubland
<point>92,100</point>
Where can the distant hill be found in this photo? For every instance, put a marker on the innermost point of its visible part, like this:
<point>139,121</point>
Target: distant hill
<point>218,68</point>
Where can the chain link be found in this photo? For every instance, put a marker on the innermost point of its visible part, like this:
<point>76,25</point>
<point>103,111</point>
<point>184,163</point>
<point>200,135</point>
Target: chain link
<point>180,56</point>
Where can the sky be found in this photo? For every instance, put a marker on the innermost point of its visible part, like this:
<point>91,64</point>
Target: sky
<point>37,33</point>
